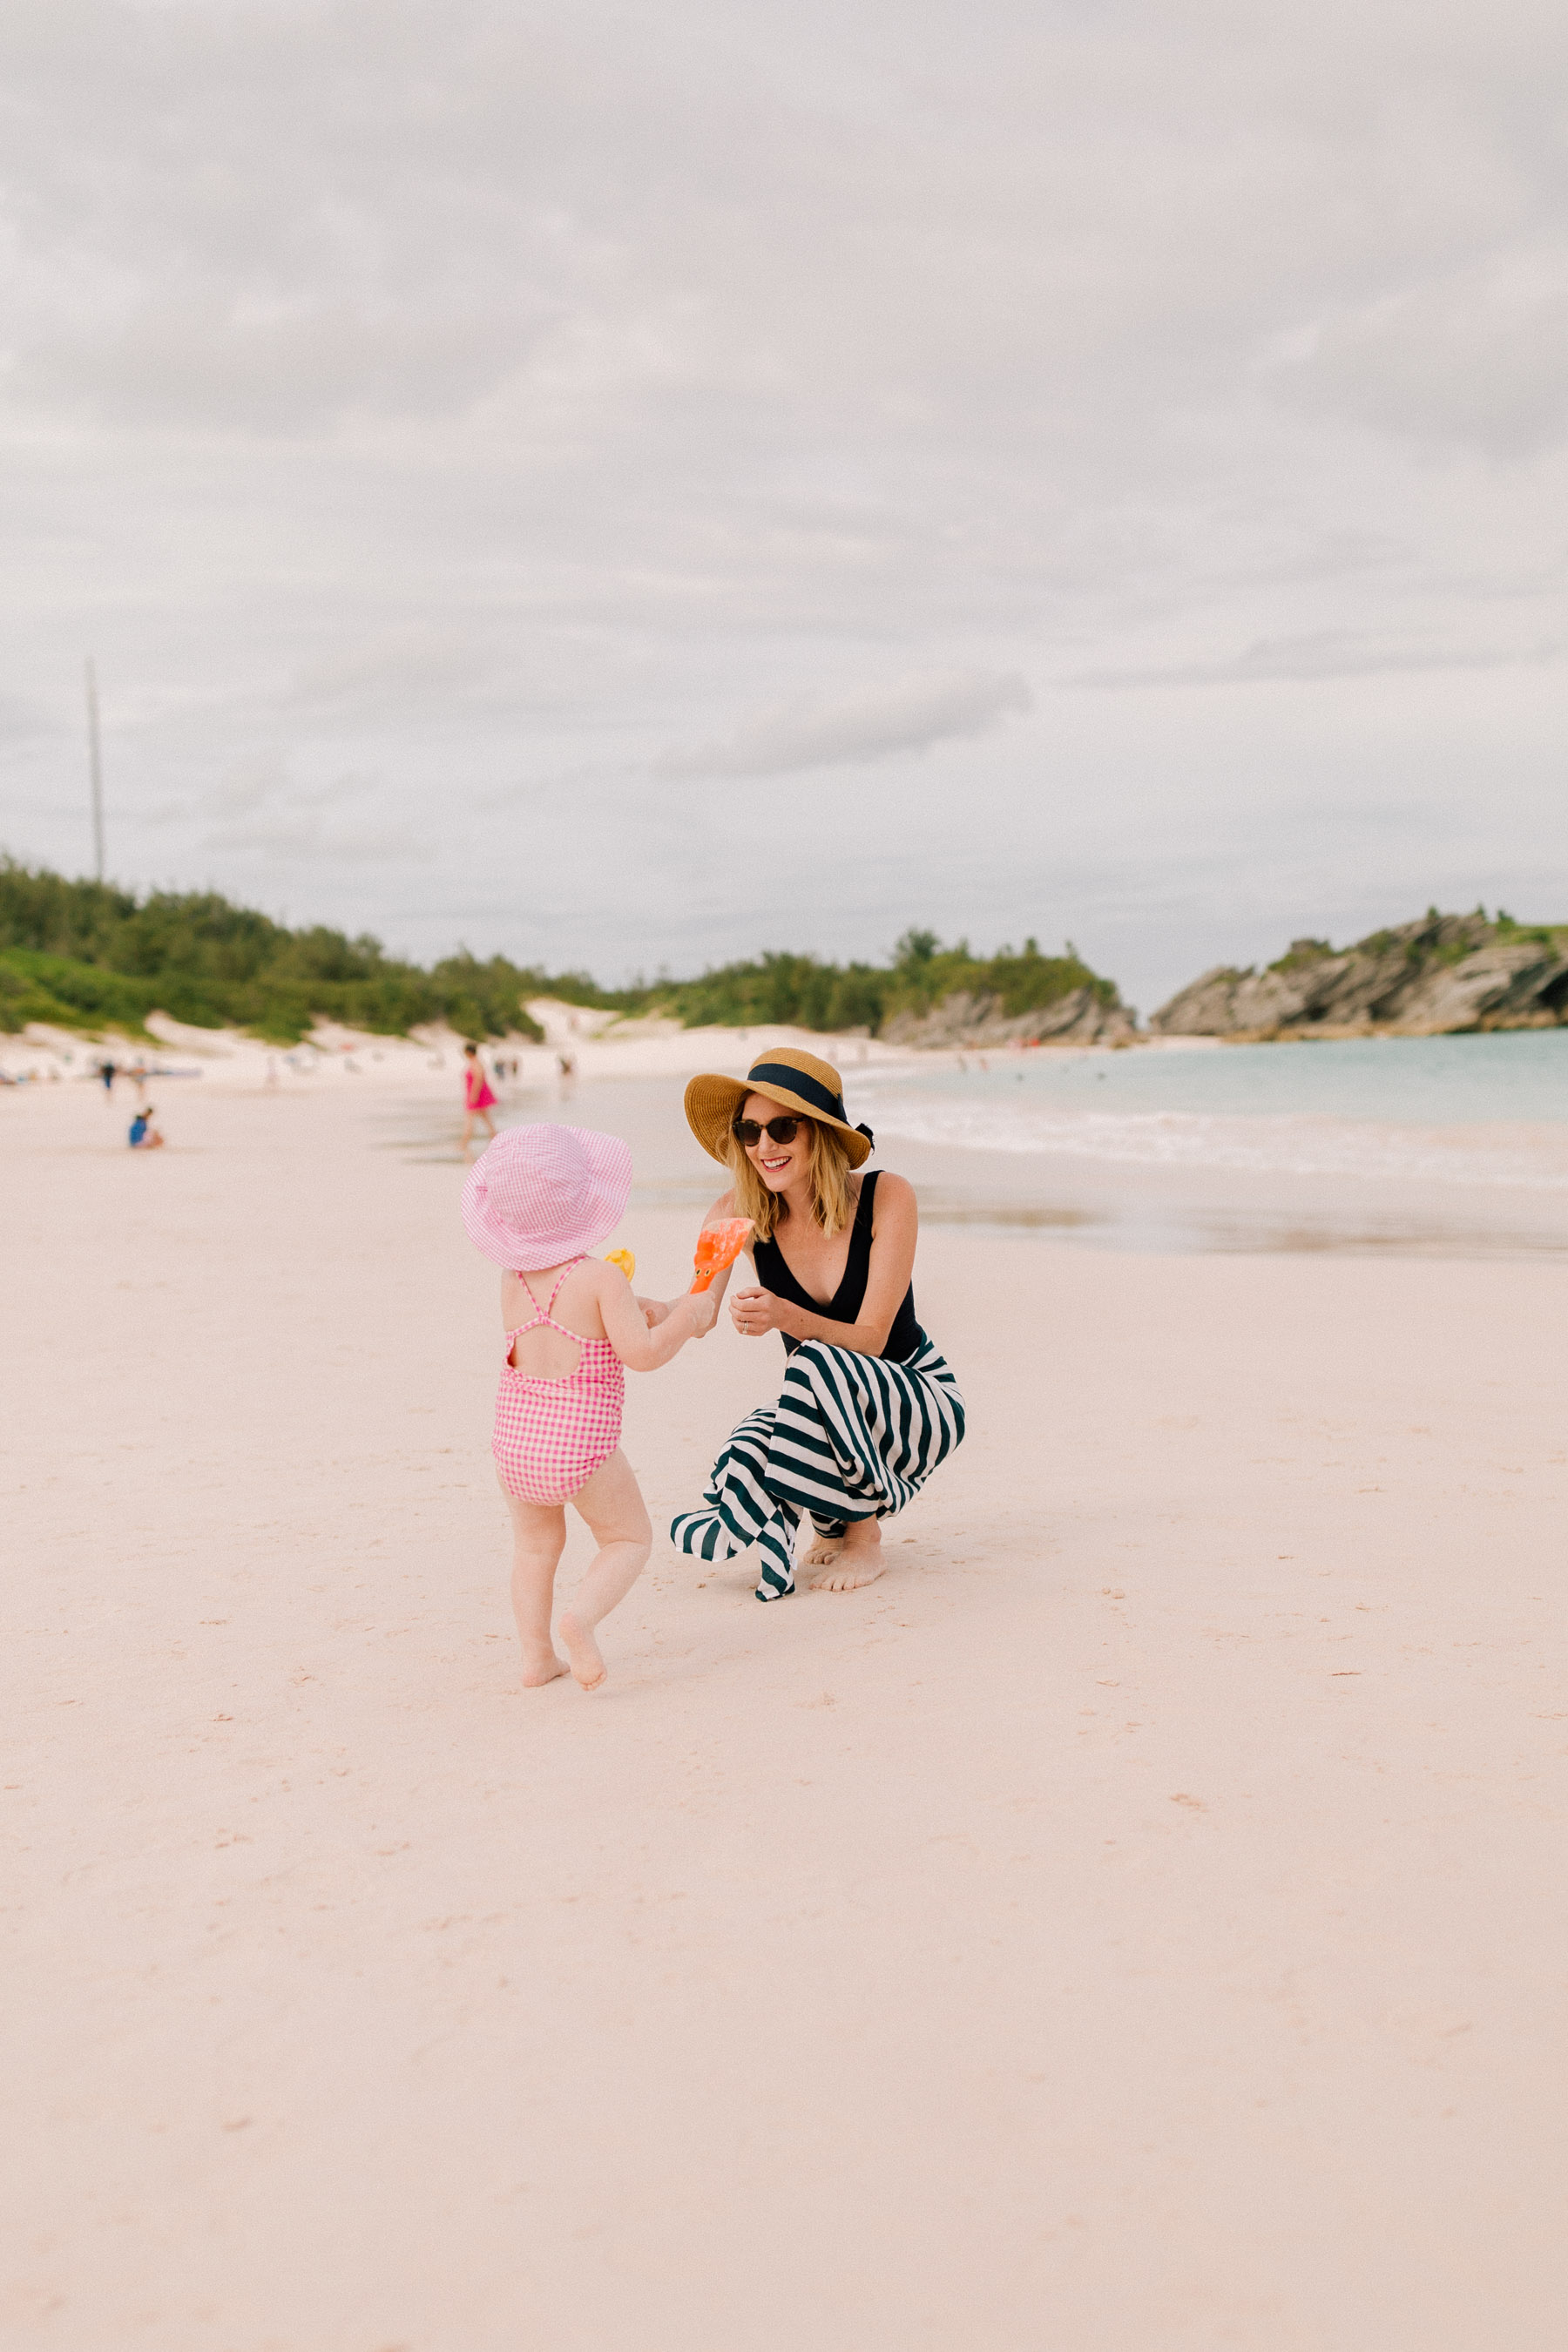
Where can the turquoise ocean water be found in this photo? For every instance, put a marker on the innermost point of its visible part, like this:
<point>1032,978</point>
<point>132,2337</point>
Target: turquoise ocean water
<point>1513,1078</point>
<point>1438,1146</point>
<point>1485,1110</point>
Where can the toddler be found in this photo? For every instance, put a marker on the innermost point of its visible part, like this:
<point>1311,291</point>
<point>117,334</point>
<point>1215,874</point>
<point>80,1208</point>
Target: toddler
<point>535,1201</point>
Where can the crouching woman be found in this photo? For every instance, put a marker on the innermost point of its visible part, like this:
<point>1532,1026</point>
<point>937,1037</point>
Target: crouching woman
<point>869,1408</point>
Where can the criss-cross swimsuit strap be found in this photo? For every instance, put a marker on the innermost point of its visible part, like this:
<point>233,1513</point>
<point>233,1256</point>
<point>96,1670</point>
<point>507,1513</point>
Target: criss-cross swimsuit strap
<point>543,1314</point>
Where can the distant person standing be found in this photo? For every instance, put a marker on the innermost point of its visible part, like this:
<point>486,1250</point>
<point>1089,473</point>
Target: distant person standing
<point>479,1097</point>
<point>145,1136</point>
<point>107,1071</point>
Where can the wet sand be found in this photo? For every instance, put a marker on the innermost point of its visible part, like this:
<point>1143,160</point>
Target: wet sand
<point>1135,1922</point>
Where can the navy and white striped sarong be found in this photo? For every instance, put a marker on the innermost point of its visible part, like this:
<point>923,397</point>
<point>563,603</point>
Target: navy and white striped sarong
<point>851,1437</point>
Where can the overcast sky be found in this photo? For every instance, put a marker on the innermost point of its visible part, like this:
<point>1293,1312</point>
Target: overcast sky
<point>632,486</point>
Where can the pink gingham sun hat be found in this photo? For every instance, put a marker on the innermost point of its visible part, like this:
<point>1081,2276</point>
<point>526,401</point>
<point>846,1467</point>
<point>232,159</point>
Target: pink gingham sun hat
<point>538,1195</point>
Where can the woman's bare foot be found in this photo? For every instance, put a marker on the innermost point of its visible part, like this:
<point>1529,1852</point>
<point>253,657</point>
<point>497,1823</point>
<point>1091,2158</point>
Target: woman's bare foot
<point>541,1668</point>
<point>587,1665</point>
<point>852,1562</point>
<point>825,1549</point>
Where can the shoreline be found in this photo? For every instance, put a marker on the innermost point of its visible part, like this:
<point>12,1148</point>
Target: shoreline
<point>1013,1151</point>
<point>606,1045</point>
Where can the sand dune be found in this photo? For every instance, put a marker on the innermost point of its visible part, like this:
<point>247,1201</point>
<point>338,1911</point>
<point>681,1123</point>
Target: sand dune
<point>1136,1923</point>
<point>231,1061</point>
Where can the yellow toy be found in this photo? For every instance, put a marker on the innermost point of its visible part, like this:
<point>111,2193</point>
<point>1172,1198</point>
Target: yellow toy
<point>625,1259</point>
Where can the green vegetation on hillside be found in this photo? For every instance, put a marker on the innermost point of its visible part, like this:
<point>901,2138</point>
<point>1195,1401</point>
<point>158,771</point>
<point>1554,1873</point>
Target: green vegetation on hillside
<point>1440,975</point>
<point>809,994</point>
<point>85,955</point>
<point>1440,940</point>
<point>1544,935</point>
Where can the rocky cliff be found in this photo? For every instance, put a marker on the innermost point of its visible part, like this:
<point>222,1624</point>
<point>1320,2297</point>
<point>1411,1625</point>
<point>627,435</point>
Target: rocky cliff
<point>1086,1016</point>
<point>1445,973</point>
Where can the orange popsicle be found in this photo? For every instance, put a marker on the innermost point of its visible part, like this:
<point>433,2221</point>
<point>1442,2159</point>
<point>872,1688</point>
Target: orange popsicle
<point>719,1246</point>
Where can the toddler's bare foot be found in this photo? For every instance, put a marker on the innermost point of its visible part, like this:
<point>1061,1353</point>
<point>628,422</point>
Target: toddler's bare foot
<point>541,1667</point>
<point>583,1652</point>
<point>856,1560</point>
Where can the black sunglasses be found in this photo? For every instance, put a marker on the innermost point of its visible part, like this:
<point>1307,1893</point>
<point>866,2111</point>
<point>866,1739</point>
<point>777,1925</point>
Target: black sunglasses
<point>783,1131</point>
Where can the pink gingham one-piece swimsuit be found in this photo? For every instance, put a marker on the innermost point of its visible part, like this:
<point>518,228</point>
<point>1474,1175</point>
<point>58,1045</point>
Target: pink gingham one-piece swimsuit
<point>552,1436</point>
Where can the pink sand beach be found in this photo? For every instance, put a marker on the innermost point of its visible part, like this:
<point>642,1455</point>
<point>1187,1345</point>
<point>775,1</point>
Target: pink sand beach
<point>1135,1923</point>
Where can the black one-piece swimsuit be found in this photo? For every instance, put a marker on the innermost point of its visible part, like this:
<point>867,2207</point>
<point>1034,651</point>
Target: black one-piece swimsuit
<point>846,1301</point>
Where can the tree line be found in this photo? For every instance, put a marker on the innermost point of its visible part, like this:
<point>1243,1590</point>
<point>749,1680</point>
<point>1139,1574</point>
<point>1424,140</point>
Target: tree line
<point>89,955</point>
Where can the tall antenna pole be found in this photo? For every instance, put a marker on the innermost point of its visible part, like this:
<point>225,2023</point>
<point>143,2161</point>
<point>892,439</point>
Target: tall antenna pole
<point>95,762</point>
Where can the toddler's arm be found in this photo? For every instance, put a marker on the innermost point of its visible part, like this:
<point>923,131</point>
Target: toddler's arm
<point>654,1310</point>
<point>638,1348</point>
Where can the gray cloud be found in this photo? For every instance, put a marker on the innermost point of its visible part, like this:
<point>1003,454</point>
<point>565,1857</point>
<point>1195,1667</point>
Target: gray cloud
<point>400,664</point>
<point>303,839</point>
<point>23,719</point>
<point>209,362</point>
<point>878,725</point>
<point>1326,654</point>
<point>261,815</point>
<point>514,405</point>
<point>1479,358</point>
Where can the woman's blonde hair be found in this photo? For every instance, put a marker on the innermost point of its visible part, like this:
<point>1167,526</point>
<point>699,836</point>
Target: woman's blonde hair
<point>831,1203</point>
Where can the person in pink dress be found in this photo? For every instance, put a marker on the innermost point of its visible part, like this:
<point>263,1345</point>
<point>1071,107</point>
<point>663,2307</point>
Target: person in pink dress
<point>535,1201</point>
<point>479,1099</point>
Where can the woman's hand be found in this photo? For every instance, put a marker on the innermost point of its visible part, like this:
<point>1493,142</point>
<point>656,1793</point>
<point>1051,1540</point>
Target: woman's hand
<point>752,1312</point>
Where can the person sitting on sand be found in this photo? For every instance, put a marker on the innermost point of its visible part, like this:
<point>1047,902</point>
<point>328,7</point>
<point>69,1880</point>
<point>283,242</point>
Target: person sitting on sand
<point>869,1408</point>
<point>536,1201</point>
<point>479,1099</point>
<point>145,1136</point>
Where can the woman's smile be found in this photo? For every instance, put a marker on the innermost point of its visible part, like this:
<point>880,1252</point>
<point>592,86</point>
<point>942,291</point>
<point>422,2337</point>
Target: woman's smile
<point>779,1165</point>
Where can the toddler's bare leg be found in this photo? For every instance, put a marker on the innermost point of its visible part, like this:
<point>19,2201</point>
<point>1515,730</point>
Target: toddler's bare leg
<point>538,1540</point>
<point>613,1505</point>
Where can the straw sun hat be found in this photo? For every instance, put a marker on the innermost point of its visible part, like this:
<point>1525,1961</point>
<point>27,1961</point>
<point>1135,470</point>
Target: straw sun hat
<point>538,1195</point>
<point>795,1081</point>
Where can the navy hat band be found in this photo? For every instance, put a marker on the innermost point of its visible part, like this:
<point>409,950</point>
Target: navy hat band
<point>809,1089</point>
